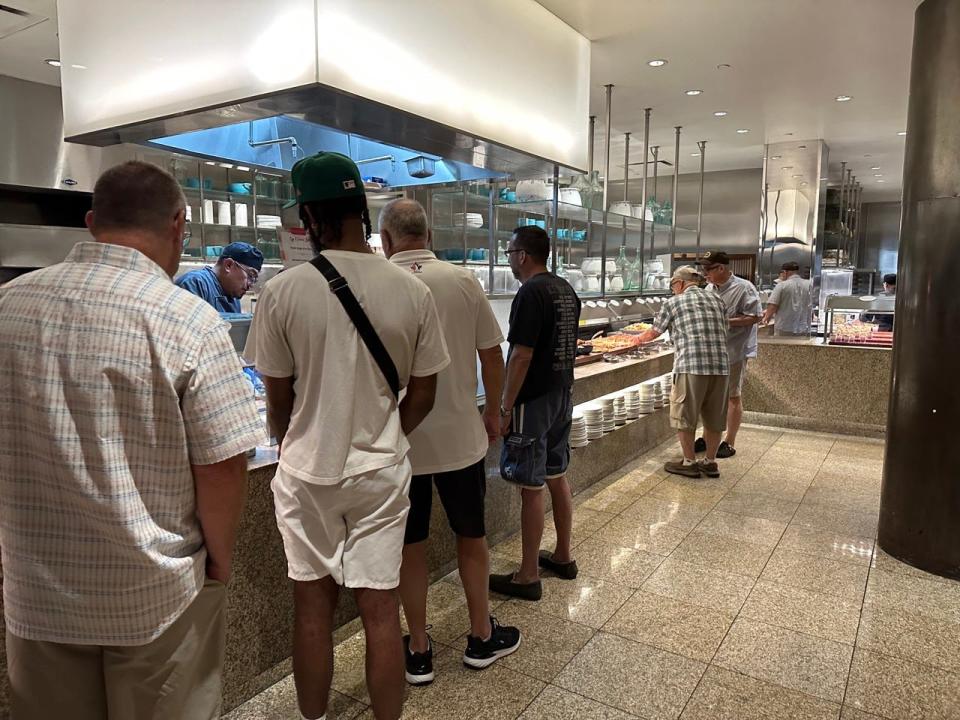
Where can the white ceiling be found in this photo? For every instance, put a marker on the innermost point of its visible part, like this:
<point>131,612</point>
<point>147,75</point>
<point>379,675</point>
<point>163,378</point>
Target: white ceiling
<point>788,60</point>
<point>22,53</point>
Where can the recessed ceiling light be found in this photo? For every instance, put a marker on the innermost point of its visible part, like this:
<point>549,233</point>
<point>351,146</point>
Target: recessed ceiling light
<point>878,174</point>
<point>902,133</point>
<point>723,66</point>
<point>796,176</point>
<point>776,157</point>
<point>209,162</point>
<point>743,131</point>
<point>803,184</point>
<point>787,167</point>
<point>875,167</point>
<point>720,113</point>
<point>226,166</point>
<point>242,168</point>
<point>881,180</point>
<point>79,67</point>
<point>694,154</point>
<point>656,63</point>
<point>694,92</point>
<point>52,62</point>
<point>843,98</point>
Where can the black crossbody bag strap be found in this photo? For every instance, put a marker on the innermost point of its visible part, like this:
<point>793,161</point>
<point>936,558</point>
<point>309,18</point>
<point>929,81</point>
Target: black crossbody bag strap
<point>338,286</point>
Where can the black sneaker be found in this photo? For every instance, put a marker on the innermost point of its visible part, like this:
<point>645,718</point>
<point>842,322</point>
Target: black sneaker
<point>419,665</point>
<point>483,653</point>
<point>725,450</point>
<point>505,585</point>
<point>700,445</point>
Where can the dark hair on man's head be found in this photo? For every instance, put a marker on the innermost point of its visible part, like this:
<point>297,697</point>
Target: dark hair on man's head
<point>328,217</point>
<point>136,196</point>
<point>534,241</point>
<point>890,278</point>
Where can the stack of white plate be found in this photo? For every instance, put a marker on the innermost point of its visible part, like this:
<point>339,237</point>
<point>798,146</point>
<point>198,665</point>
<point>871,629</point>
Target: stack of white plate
<point>667,382</point>
<point>647,398</point>
<point>632,403</point>
<point>657,395</point>
<point>471,220</point>
<point>578,431</point>
<point>620,410</point>
<point>609,420</point>
<point>593,419</point>
<point>268,221</point>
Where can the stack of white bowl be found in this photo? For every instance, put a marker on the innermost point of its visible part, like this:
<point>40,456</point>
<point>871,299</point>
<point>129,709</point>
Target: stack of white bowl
<point>632,403</point>
<point>609,420</point>
<point>578,431</point>
<point>593,419</point>
<point>657,395</point>
<point>620,410</point>
<point>647,398</point>
<point>471,220</point>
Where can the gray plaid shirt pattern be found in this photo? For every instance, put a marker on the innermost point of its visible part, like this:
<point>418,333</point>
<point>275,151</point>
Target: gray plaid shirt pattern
<point>115,382</point>
<point>697,323</point>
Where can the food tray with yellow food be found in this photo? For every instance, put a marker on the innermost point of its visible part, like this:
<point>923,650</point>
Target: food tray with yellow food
<point>637,328</point>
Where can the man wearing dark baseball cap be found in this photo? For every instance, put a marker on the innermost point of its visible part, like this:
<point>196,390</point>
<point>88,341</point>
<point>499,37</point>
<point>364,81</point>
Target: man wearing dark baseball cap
<point>343,479</point>
<point>790,302</point>
<point>741,303</point>
<point>222,285</point>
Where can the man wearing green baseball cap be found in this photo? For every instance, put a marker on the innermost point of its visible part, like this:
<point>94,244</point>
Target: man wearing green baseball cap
<point>343,478</point>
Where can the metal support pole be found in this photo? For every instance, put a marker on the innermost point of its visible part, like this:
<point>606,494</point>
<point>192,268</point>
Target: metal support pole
<point>843,219</point>
<point>606,189</point>
<point>860,238</point>
<point>555,212</point>
<point>626,180</point>
<point>851,189</point>
<point>655,151</point>
<point>643,186</point>
<point>702,144</point>
<point>591,132</point>
<point>763,220</point>
<point>673,195</point>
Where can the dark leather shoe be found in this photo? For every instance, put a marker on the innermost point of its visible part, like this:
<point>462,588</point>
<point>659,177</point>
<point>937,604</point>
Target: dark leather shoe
<point>678,468</point>
<point>505,585</point>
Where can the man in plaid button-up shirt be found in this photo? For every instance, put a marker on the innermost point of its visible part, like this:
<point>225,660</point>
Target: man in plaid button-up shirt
<point>124,419</point>
<point>698,327</point>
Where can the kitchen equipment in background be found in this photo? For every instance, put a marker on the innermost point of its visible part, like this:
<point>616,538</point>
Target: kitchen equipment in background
<point>471,220</point>
<point>240,214</point>
<point>421,166</point>
<point>637,210</point>
<point>207,215</point>
<point>241,188</point>
<point>268,221</point>
<point>621,207</point>
<point>223,212</point>
<point>528,190</point>
<point>571,196</point>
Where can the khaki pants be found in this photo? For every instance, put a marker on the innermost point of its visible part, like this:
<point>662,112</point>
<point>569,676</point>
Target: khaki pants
<point>698,397</point>
<point>175,677</point>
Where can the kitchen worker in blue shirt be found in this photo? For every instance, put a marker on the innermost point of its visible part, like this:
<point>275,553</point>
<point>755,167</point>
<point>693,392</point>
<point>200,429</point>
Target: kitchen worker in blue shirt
<point>222,285</point>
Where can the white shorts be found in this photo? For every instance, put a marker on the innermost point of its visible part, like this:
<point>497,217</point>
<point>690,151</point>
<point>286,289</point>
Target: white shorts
<point>352,530</point>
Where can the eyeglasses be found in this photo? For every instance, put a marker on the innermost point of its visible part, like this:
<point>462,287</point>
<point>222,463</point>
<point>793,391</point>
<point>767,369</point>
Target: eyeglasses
<point>515,250</point>
<point>252,275</point>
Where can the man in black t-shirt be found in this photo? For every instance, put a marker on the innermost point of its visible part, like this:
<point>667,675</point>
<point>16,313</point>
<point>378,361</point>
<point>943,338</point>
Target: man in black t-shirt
<point>536,409</point>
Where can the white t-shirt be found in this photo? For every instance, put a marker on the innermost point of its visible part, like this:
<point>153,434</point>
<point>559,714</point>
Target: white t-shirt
<point>794,309</point>
<point>345,421</point>
<point>452,436</point>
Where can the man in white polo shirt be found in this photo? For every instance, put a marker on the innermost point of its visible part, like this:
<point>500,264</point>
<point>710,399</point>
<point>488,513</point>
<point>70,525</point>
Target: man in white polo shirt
<point>448,448</point>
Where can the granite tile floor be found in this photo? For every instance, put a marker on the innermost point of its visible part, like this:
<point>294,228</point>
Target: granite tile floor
<point>760,595</point>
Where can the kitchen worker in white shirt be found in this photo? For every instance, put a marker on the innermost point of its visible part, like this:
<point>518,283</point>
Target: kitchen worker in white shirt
<point>343,478</point>
<point>449,447</point>
<point>790,303</point>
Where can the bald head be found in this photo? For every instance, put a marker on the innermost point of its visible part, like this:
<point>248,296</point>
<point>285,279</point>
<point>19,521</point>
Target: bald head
<point>403,226</point>
<point>140,205</point>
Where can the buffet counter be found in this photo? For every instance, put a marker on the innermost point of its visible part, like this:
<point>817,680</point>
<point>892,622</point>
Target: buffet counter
<point>260,605</point>
<point>806,384</point>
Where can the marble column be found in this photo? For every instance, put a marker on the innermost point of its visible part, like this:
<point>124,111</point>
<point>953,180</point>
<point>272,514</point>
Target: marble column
<point>920,501</point>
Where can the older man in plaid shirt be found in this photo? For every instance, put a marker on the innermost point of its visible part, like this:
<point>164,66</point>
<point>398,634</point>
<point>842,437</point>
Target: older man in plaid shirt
<point>698,327</point>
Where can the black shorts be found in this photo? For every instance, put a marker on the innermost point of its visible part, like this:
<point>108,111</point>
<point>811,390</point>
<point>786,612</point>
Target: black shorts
<point>461,493</point>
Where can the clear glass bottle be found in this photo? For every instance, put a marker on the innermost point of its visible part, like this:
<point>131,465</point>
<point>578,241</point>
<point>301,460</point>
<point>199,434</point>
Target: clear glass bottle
<point>623,266</point>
